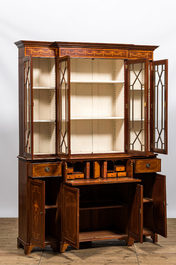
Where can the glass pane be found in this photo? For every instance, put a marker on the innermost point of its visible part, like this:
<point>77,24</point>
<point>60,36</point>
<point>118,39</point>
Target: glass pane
<point>137,107</point>
<point>159,106</point>
<point>27,89</point>
<point>63,86</point>
<point>44,102</point>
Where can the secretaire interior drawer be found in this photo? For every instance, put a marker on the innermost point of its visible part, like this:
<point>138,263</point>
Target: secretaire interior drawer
<point>44,169</point>
<point>147,165</point>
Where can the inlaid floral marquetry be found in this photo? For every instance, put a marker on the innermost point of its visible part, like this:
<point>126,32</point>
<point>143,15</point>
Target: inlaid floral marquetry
<point>135,54</point>
<point>46,52</point>
<point>93,53</point>
<point>36,212</point>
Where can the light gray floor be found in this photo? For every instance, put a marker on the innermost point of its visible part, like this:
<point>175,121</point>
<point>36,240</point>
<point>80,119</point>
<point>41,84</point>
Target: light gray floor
<point>102,252</point>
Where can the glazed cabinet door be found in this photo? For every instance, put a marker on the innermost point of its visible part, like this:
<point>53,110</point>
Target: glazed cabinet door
<point>70,216</point>
<point>28,109</point>
<point>63,106</point>
<point>159,205</point>
<point>136,107</point>
<point>136,212</point>
<point>37,212</point>
<point>159,106</point>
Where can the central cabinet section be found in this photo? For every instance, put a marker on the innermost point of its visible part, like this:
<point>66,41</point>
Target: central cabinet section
<point>97,105</point>
<point>101,212</point>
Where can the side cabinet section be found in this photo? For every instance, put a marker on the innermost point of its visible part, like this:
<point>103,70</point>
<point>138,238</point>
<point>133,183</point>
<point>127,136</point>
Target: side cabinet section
<point>71,216</point>
<point>136,213</point>
<point>37,212</point>
<point>159,205</point>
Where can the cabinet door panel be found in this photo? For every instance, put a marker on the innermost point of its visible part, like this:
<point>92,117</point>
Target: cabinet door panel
<point>159,106</point>
<point>159,205</point>
<point>63,106</point>
<point>28,109</point>
<point>71,216</point>
<point>37,212</point>
<point>137,107</point>
<point>136,213</point>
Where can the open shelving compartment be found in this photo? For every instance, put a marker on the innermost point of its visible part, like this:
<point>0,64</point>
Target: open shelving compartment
<point>97,106</point>
<point>95,212</point>
<point>44,100</point>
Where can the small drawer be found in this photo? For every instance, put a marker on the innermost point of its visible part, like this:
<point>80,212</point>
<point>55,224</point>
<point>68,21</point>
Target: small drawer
<point>119,168</point>
<point>121,174</point>
<point>45,170</point>
<point>75,175</point>
<point>69,170</point>
<point>70,176</point>
<point>111,175</point>
<point>147,165</point>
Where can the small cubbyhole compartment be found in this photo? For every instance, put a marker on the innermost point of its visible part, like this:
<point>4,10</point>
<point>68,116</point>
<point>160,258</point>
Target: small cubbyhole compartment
<point>103,212</point>
<point>75,170</point>
<point>110,166</point>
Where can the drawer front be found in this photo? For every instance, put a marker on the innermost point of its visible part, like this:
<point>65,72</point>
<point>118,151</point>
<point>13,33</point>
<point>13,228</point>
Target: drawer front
<point>75,176</point>
<point>119,168</point>
<point>121,174</point>
<point>148,165</point>
<point>69,170</point>
<point>45,170</point>
<point>111,175</point>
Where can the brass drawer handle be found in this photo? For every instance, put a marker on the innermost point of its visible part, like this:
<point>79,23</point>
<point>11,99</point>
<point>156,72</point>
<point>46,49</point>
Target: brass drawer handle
<point>47,169</point>
<point>148,165</point>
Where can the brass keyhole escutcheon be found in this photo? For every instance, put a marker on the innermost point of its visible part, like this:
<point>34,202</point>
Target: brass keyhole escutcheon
<point>148,165</point>
<point>47,169</point>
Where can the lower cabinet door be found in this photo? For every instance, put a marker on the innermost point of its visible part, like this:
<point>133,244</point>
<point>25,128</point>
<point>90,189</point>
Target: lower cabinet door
<point>136,212</point>
<point>159,205</point>
<point>71,216</point>
<point>37,212</point>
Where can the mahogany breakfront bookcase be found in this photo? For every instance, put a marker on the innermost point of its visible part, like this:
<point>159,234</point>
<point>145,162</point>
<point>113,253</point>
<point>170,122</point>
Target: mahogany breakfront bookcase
<point>92,119</point>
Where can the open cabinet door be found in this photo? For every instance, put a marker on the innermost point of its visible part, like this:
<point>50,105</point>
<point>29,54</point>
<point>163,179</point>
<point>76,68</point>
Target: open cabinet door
<point>37,213</point>
<point>137,107</point>
<point>159,103</point>
<point>63,106</point>
<point>136,213</point>
<point>28,107</point>
<point>159,205</point>
<point>70,216</point>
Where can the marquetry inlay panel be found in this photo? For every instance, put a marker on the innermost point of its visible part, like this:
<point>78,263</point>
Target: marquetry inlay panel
<point>135,54</point>
<point>37,51</point>
<point>93,53</point>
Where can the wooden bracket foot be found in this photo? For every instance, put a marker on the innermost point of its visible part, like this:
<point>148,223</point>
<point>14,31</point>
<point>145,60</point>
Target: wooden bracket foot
<point>63,247</point>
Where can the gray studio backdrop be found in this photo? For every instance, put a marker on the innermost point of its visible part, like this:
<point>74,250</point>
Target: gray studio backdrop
<point>139,22</point>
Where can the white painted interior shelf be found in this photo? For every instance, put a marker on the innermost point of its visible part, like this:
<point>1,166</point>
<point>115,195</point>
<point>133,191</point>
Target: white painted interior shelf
<point>43,87</point>
<point>97,81</point>
<point>44,121</point>
<point>97,118</point>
